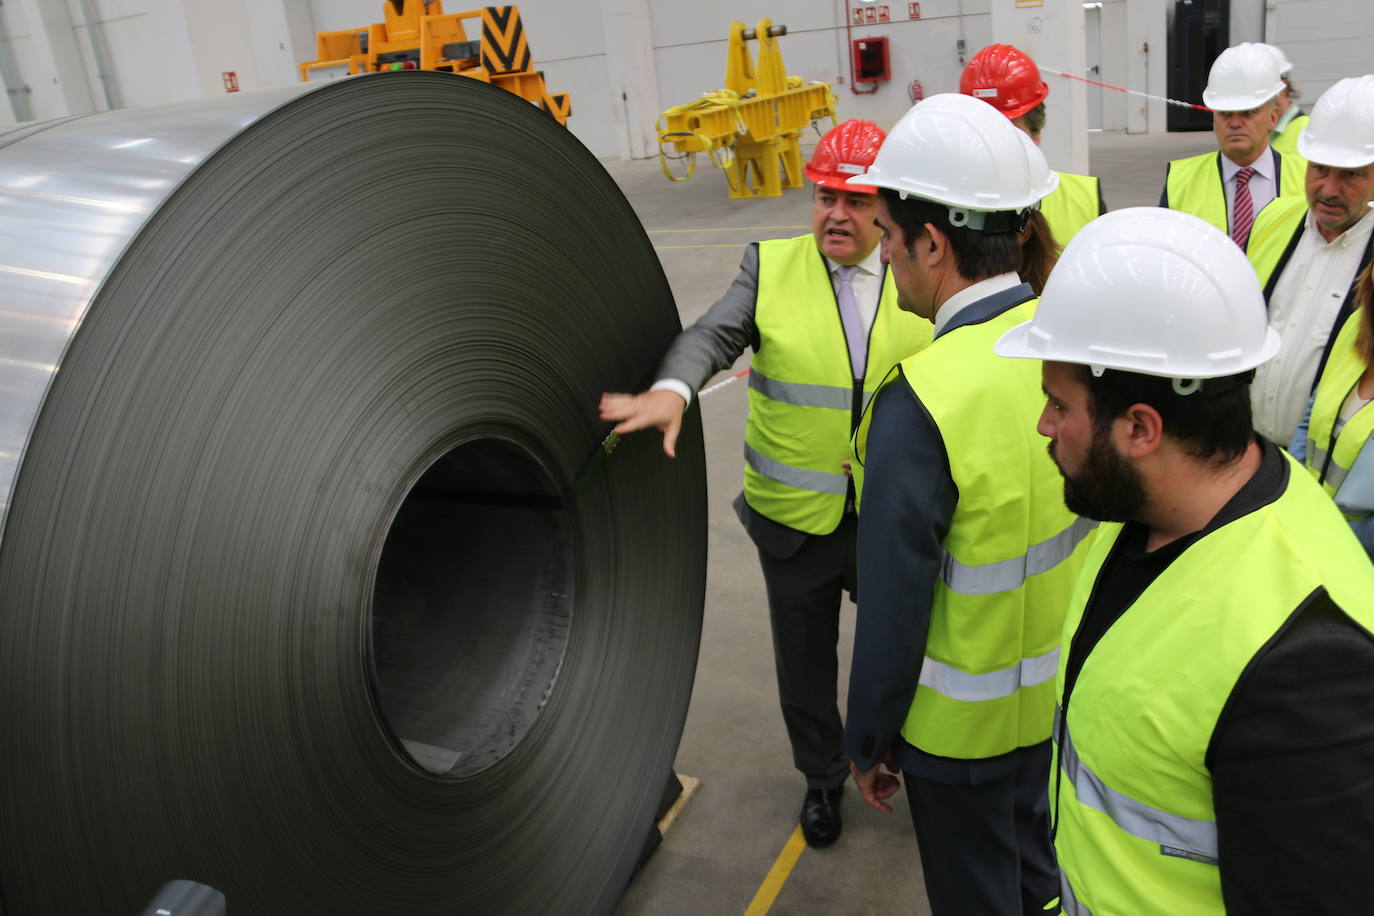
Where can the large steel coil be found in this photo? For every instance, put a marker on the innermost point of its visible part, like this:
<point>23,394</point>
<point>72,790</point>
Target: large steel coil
<point>308,589</point>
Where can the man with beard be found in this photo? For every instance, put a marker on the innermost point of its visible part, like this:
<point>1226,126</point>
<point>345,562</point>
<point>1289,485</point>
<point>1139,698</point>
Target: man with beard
<point>820,312</point>
<point>966,552</point>
<point>1215,736</point>
<point>1309,252</point>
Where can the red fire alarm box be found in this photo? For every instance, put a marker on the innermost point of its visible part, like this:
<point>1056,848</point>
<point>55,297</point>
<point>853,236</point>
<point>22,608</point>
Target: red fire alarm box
<point>870,60</point>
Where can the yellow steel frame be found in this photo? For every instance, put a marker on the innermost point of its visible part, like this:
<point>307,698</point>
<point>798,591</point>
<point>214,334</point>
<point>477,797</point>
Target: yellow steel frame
<point>751,128</point>
<point>503,57</point>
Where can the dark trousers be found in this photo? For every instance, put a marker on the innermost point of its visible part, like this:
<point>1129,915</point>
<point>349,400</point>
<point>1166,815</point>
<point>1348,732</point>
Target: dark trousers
<point>805,591</point>
<point>985,847</point>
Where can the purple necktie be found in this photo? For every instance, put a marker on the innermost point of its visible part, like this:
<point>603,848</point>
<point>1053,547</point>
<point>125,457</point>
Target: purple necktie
<point>1243,213</point>
<point>853,324</point>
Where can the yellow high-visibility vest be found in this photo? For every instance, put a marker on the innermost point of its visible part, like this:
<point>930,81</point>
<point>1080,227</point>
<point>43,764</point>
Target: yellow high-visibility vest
<point>1135,824</point>
<point>1286,142</point>
<point>1010,554</point>
<point>1071,206</point>
<point>801,386</point>
<point>1271,234</point>
<point>1331,453</point>
<point>1194,186</point>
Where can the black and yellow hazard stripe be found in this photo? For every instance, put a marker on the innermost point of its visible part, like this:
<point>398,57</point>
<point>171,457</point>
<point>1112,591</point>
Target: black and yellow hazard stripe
<point>558,105</point>
<point>504,48</point>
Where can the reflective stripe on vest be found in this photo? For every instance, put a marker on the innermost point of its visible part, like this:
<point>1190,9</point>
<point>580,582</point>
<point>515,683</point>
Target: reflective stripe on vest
<point>1333,445</point>
<point>1185,836</point>
<point>1071,206</point>
<point>1131,794</point>
<point>1316,461</point>
<point>1194,186</point>
<point>1068,900</point>
<point>1005,575</point>
<point>798,478</point>
<point>803,394</point>
<point>801,387</point>
<point>992,685</point>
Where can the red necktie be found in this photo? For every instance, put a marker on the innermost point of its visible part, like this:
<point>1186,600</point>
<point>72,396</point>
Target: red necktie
<point>1243,212</point>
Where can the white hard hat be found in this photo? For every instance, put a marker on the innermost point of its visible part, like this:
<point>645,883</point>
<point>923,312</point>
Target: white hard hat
<point>1341,131</point>
<point>1242,78</point>
<point>959,151</point>
<point>1285,65</point>
<point>1154,291</point>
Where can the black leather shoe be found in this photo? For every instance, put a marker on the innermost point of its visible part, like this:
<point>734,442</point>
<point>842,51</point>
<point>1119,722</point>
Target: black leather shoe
<point>820,817</point>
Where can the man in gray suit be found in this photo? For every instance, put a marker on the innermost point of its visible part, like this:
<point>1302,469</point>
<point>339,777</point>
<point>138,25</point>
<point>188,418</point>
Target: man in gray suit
<point>821,315</point>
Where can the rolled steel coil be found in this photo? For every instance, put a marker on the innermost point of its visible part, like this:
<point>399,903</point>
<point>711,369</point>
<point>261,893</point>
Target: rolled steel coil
<point>317,584</point>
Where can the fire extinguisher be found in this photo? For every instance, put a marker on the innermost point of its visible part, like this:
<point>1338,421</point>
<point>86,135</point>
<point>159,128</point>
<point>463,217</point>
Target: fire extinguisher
<point>917,91</point>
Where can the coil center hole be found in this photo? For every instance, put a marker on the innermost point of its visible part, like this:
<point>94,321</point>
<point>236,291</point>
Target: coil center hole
<point>472,606</point>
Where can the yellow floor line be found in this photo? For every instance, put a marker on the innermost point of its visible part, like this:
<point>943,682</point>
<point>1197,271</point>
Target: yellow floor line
<point>730,229</point>
<point>777,875</point>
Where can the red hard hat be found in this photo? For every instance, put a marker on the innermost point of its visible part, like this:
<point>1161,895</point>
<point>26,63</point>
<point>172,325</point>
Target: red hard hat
<point>1004,78</point>
<point>847,150</point>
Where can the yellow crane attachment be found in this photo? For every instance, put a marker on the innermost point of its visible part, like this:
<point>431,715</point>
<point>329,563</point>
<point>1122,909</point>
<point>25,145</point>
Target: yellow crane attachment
<point>419,35</point>
<point>752,128</point>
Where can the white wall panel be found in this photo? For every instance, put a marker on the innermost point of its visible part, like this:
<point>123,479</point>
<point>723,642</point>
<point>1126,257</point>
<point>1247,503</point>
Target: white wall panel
<point>1325,39</point>
<point>147,48</point>
<point>1113,66</point>
<point>1147,57</point>
<point>1247,21</point>
<point>39,84</point>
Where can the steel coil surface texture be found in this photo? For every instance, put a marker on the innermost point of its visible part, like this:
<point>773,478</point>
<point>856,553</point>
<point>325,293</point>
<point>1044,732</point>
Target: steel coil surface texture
<point>302,595</point>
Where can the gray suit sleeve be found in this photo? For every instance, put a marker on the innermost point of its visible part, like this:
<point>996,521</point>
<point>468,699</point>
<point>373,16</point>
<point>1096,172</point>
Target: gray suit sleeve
<point>908,502</point>
<point>718,338</point>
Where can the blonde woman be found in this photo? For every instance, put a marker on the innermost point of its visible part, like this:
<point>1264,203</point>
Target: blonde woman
<point>1336,438</point>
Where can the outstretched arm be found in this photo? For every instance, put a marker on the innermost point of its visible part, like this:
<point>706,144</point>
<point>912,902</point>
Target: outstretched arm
<point>713,343</point>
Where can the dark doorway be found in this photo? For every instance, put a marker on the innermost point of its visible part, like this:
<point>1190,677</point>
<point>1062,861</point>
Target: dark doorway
<point>1198,32</point>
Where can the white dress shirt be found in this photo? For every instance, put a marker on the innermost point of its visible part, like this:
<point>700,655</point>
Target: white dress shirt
<point>867,284</point>
<point>1261,183</point>
<point>1303,308</point>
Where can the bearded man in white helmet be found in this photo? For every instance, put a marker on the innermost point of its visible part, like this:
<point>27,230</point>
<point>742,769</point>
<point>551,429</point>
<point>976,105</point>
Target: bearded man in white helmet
<point>966,551</point>
<point>1215,731</point>
<point>1309,252</point>
<point>1230,187</point>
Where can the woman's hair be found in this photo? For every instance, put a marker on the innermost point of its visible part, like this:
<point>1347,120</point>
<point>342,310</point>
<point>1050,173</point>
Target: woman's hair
<point>1034,120</point>
<point>1039,252</point>
<point>1364,301</point>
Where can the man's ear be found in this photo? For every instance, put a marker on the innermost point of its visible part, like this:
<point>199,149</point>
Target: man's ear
<point>1143,429</point>
<point>934,246</point>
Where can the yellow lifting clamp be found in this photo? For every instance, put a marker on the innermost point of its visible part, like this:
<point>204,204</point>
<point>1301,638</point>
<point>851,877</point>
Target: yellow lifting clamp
<point>752,127</point>
<point>419,35</point>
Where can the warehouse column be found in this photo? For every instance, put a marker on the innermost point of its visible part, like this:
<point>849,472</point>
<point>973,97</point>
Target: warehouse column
<point>1147,60</point>
<point>633,76</point>
<point>55,45</point>
<point>1051,32</point>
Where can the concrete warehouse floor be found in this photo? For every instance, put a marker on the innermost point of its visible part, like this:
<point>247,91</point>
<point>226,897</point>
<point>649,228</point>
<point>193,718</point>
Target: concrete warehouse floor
<point>720,850</point>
